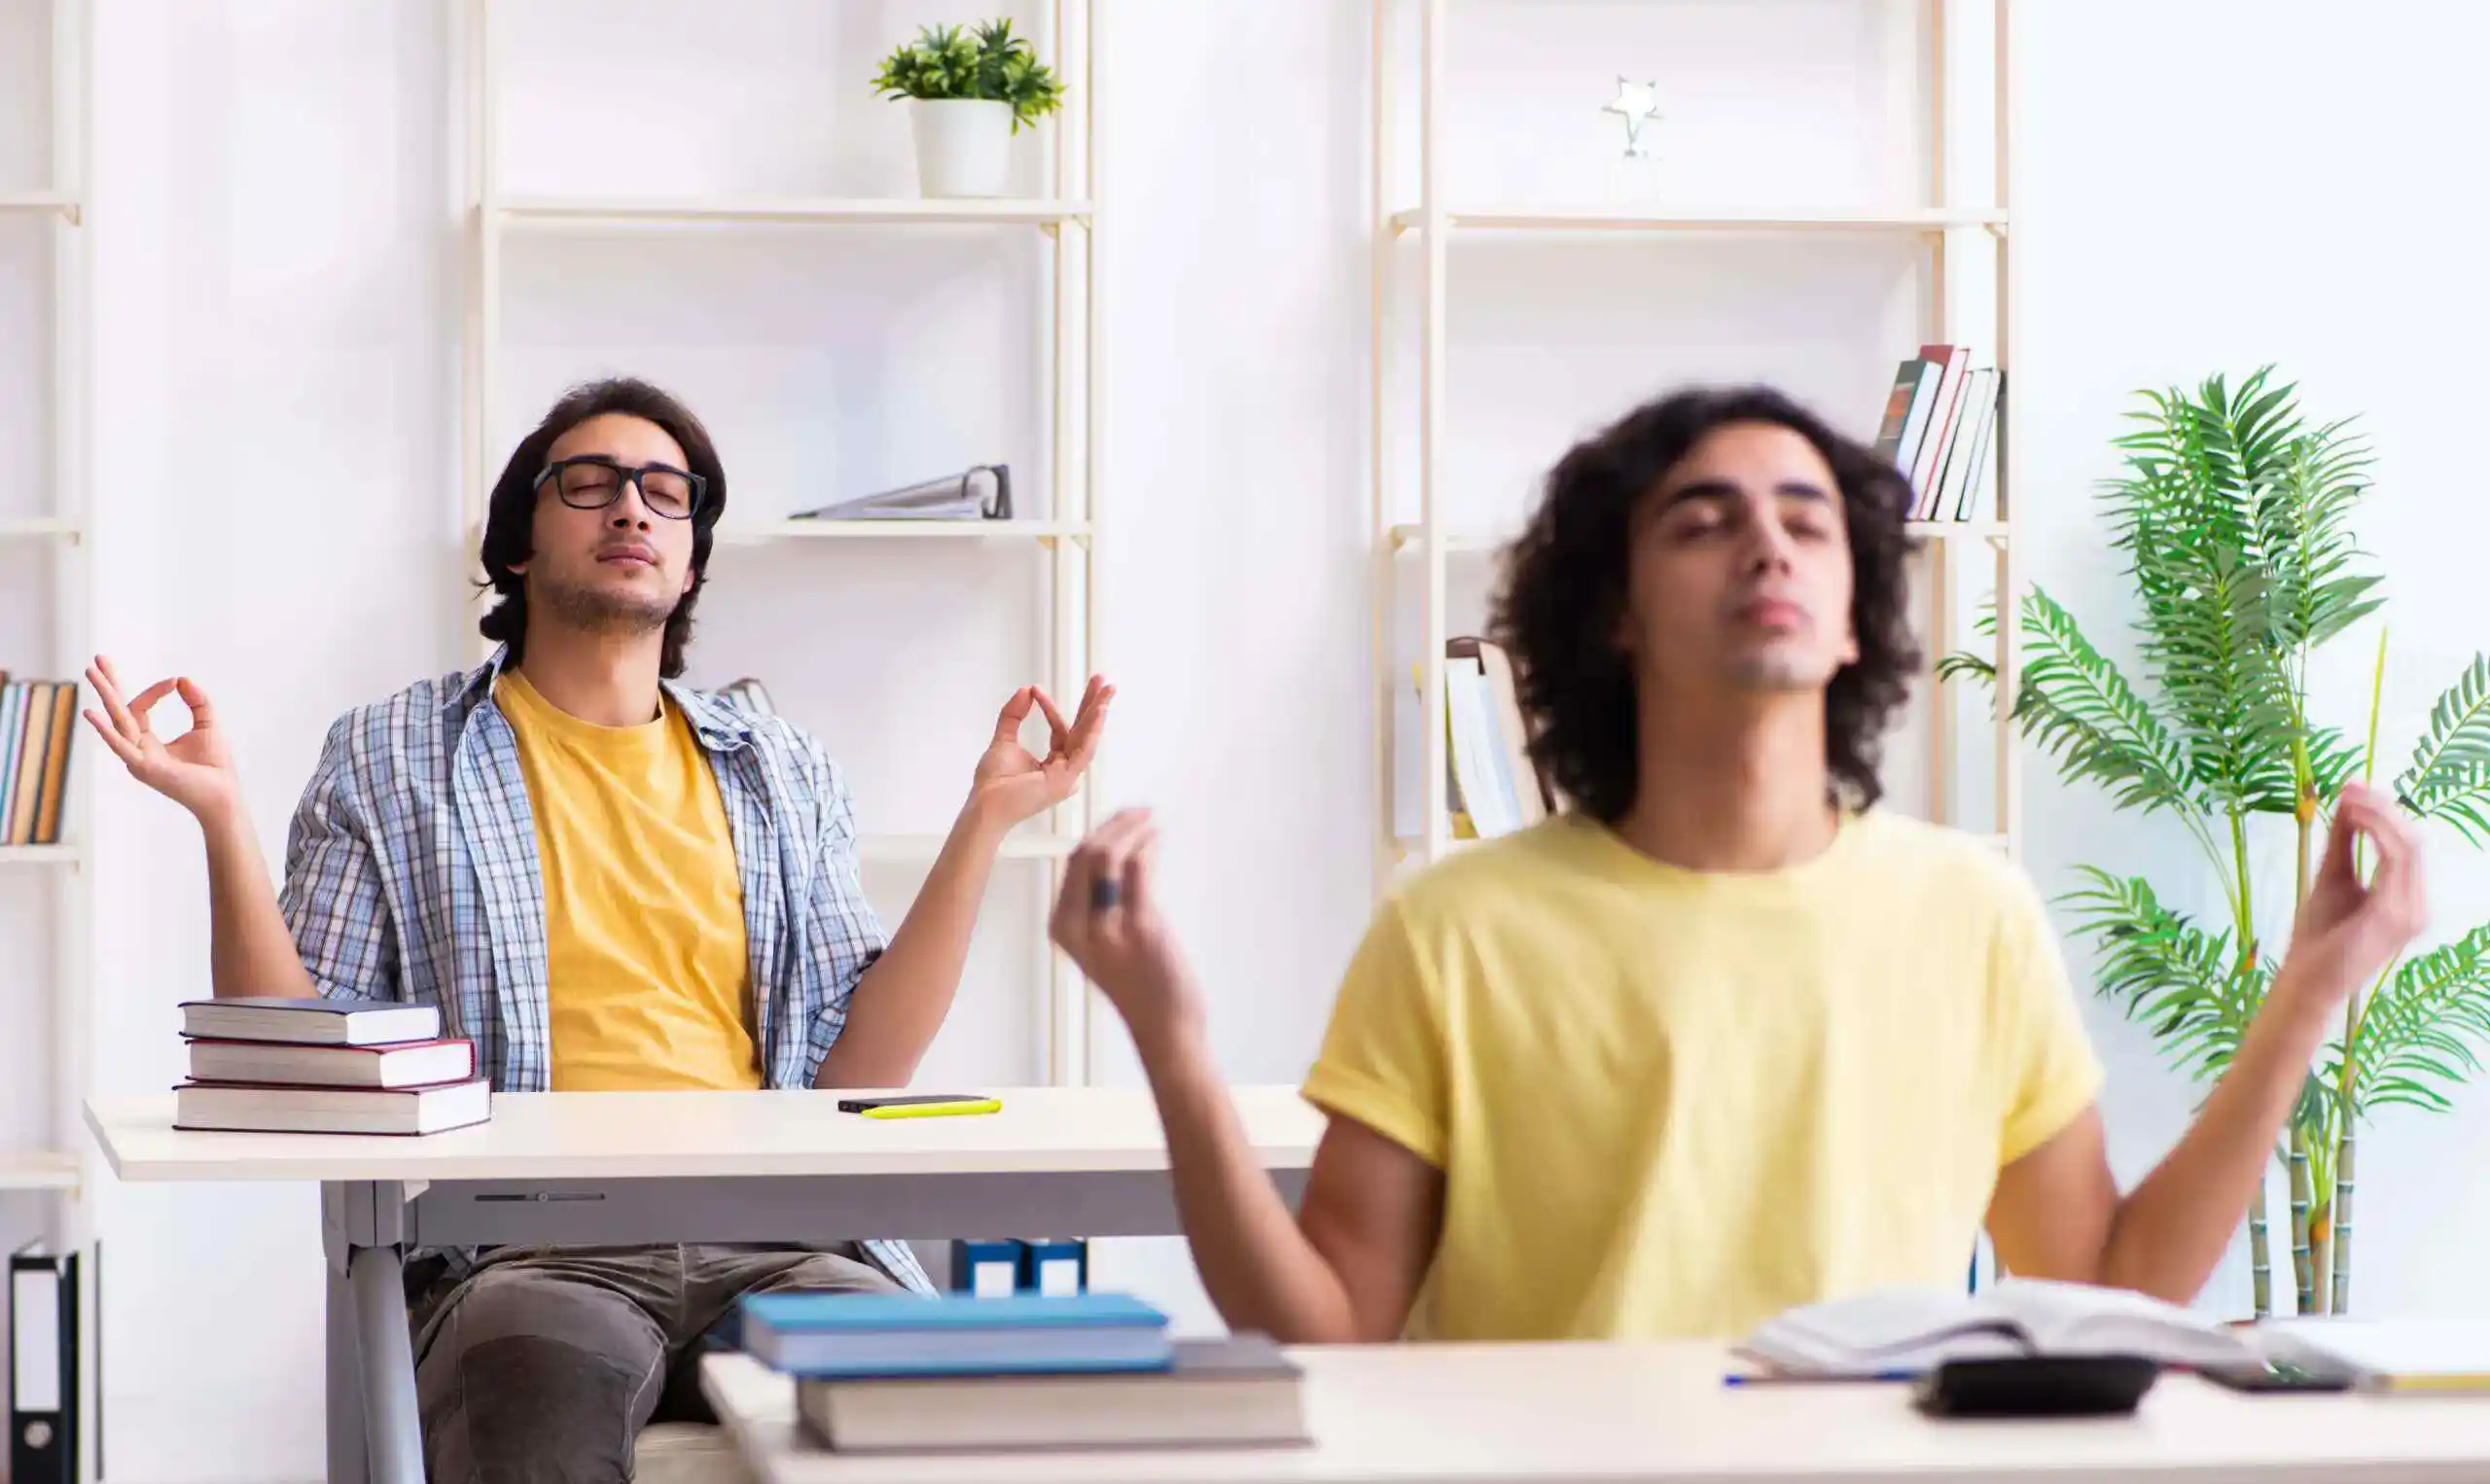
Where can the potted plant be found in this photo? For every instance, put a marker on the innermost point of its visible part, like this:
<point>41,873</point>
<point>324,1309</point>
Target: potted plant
<point>968,93</point>
<point>2234,514</point>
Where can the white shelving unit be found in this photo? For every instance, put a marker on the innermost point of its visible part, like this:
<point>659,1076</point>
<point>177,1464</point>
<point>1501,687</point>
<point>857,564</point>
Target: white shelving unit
<point>1065,214</point>
<point>51,1163</point>
<point>1419,552</point>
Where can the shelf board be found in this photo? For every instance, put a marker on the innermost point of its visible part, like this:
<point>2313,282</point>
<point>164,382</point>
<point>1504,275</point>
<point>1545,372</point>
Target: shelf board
<point>1691,217</point>
<point>1455,537</point>
<point>903,530</point>
<point>38,854</point>
<point>521,211</point>
<point>40,528</point>
<point>921,849</point>
<point>40,203</point>
<point>37,1170</point>
<point>1480,539</point>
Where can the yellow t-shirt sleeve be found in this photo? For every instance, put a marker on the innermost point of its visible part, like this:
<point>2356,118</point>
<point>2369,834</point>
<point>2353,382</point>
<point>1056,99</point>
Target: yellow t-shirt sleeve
<point>1383,1059</point>
<point>2050,1070</point>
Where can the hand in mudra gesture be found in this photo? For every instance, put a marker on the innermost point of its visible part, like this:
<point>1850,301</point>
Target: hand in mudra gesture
<point>1017,782</point>
<point>195,769</point>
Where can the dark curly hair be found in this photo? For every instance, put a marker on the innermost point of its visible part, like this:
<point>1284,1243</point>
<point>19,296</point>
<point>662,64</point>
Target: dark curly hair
<point>1563,590</point>
<point>509,520</point>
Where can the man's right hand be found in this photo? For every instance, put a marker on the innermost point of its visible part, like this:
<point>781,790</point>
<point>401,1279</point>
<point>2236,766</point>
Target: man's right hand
<point>195,769</point>
<point>1107,921</point>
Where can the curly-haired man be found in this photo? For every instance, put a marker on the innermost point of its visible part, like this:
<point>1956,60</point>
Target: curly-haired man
<point>1722,1037</point>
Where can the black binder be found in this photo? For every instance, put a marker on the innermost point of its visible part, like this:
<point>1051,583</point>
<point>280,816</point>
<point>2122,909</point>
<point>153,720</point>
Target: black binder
<point>43,1366</point>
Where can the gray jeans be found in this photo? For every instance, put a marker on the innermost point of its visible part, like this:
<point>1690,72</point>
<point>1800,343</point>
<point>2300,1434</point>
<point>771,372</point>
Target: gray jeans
<point>543,1364</point>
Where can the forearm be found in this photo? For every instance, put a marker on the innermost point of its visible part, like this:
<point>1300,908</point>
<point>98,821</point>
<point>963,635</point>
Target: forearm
<point>901,1002</point>
<point>1257,1264</point>
<point>250,949</point>
<point>2172,1230</point>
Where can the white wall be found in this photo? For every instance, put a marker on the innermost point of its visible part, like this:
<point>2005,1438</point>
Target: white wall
<point>276,459</point>
<point>2183,209</point>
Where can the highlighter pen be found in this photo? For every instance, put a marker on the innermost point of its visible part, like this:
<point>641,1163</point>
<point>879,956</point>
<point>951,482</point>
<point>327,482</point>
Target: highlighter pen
<point>944,1109</point>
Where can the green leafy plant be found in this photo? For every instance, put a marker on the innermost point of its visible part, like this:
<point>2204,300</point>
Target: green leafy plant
<point>2233,513</point>
<point>987,64</point>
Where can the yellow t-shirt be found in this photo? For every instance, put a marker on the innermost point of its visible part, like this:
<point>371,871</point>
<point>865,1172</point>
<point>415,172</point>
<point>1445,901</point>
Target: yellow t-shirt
<point>1674,1103</point>
<point>644,936</point>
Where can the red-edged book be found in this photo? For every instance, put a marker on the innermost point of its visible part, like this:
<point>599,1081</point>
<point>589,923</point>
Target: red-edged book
<point>263,1108</point>
<point>398,1064</point>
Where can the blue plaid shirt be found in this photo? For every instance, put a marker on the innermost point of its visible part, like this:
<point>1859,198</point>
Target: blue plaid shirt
<point>410,873</point>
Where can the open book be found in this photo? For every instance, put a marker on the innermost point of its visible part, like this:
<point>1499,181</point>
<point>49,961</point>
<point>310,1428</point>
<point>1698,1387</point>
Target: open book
<point>1910,1330</point>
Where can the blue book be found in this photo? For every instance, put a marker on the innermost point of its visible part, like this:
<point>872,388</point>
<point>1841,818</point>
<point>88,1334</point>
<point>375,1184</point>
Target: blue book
<point>888,1335</point>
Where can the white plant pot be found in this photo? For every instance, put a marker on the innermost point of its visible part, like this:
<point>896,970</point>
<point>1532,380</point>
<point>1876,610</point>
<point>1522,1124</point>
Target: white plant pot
<point>963,146</point>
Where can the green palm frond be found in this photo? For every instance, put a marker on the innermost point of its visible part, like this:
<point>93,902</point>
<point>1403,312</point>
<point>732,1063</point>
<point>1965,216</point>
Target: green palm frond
<point>2449,778</point>
<point>2303,538</point>
<point>2188,986</point>
<point>2207,641</point>
<point>2422,1032</point>
<point>2079,708</point>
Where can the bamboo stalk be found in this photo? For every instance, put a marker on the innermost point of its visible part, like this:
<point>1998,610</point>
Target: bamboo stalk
<point>2260,1262</point>
<point>2340,1299</point>
<point>2303,1276</point>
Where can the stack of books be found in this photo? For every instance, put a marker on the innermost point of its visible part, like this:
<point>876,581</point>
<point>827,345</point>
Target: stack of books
<point>274,1065</point>
<point>1939,423</point>
<point>37,724</point>
<point>894,1373</point>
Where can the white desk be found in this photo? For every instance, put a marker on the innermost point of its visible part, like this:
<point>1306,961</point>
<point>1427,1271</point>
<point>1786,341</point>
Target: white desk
<point>1660,1414</point>
<point>677,1167</point>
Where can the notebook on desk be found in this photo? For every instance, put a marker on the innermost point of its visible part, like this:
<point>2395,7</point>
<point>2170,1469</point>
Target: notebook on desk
<point>1909,1331</point>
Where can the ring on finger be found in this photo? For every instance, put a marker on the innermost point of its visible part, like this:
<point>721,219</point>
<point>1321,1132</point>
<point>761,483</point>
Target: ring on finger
<point>1104,894</point>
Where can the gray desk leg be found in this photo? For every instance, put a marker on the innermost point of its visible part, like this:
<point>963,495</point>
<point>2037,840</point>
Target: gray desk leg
<point>375,1433</point>
<point>389,1416</point>
<point>349,1464</point>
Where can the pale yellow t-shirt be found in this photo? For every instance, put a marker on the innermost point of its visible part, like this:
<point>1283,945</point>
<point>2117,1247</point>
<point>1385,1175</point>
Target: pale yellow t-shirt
<point>644,934</point>
<point>1674,1103</point>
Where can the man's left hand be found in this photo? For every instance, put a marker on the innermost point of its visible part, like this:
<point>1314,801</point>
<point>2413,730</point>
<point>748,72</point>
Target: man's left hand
<point>2349,931</point>
<point>1011,783</point>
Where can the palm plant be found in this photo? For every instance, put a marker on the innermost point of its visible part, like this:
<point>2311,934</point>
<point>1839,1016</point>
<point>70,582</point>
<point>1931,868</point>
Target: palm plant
<point>2233,513</point>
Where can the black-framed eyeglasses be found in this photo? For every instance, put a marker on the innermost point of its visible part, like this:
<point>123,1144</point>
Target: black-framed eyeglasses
<point>591,483</point>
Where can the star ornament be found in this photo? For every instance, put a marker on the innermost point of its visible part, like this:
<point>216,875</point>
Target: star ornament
<point>1638,104</point>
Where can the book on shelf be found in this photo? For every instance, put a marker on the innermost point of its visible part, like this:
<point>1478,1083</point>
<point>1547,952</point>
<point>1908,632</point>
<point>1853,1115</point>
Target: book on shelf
<point>340,1021</point>
<point>1493,785</point>
<point>1912,1330</point>
<point>38,725</point>
<point>875,1334</point>
<point>1936,430</point>
<point>980,493</point>
<point>749,693</point>
<point>1238,1391</point>
<point>269,1108</point>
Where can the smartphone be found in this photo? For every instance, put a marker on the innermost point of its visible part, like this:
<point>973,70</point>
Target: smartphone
<point>2037,1386</point>
<point>921,1105</point>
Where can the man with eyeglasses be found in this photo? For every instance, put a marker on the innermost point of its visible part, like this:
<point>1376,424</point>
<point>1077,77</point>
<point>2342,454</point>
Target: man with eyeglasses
<point>608,882</point>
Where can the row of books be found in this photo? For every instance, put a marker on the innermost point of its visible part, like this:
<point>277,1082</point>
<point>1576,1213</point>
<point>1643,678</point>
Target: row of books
<point>275,1065</point>
<point>1938,429</point>
<point>896,1373</point>
<point>38,722</point>
<point>1494,787</point>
